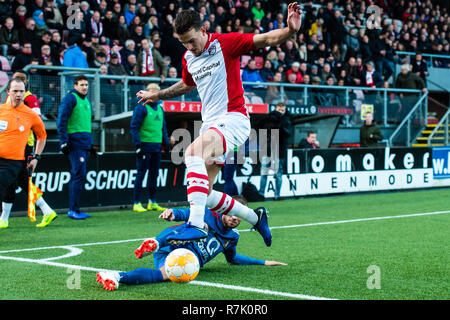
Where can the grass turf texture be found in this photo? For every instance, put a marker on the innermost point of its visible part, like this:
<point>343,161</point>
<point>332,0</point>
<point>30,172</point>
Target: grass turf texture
<point>331,261</point>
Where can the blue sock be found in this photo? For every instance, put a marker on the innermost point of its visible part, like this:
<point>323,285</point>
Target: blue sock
<point>141,276</point>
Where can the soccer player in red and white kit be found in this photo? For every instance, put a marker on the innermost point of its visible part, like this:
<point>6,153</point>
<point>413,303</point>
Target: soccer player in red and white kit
<point>212,65</point>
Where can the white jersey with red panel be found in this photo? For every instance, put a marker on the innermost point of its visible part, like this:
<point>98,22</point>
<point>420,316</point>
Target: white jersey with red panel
<point>216,73</point>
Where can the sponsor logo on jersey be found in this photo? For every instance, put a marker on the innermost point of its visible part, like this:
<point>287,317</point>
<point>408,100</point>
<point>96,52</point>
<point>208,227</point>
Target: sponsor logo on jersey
<point>3,125</point>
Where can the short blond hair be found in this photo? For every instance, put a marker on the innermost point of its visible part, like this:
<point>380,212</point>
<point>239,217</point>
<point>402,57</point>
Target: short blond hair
<point>153,86</point>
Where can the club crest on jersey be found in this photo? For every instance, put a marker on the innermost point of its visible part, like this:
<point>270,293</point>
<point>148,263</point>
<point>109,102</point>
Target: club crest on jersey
<point>212,50</point>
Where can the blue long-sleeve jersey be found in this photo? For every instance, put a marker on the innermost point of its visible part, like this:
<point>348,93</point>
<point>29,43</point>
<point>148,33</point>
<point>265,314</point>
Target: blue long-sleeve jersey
<point>139,114</point>
<point>219,240</point>
<point>78,140</point>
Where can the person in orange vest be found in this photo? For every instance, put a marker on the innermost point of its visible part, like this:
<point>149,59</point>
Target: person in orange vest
<point>31,101</point>
<point>16,123</point>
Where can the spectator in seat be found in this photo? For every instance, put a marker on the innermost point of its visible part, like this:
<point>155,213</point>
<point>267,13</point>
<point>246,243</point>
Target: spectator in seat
<point>38,17</point>
<point>122,32</point>
<point>291,52</point>
<point>172,73</point>
<point>352,41</point>
<point>371,78</point>
<point>273,94</point>
<point>130,13</point>
<point>306,79</point>
<point>251,74</point>
<point>115,68</point>
<point>408,80</point>
<point>9,38</point>
<point>96,25</point>
<point>267,71</point>
<point>258,12</point>
<point>109,26</point>
<point>317,29</point>
<point>100,59</point>
<point>326,72</point>
<point>23,58</point>
<point>28,33</point>
<point>20,17</point>
<point>128,49</point>
<point>55,44</point>
<point>419,67</point>
<point>130,65</point>
<point>74,57</point>
<point>86,47</point>
<point>96,45</point>
<point>54,18</point>
<point>150,63</point>
<point>45,38</point>
<point>295,69</point>
<point>366,50</point>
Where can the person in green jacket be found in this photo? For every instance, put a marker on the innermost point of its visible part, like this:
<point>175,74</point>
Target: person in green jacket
<point>74,130</point>
<point>149,135</point>
<point>370,133</point>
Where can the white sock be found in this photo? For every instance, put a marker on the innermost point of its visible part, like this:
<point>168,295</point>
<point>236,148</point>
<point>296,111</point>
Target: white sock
<point>224,204</point>
<point>43,206</point>
<point>197,189</point>
<point>6,210</point>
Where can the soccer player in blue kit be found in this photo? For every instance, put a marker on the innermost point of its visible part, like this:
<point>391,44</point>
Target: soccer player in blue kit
<point>222,238</point>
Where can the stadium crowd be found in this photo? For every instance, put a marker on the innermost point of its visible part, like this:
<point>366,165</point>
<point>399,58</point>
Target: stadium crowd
<point>340,42</point>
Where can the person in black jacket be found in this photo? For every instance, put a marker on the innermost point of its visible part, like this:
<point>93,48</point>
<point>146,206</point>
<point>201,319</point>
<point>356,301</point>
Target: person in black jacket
<point>9,38</point>
<point>279,119</point>
<point>419,67</point>
<point>310,142</point>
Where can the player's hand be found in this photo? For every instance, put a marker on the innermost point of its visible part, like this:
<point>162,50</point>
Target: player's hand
<point>65,148</point>
<point>32,165</point>
<point>147,96</point>
<point>93,152</point>
<point>274,263</point>
<point>167,215</point>
<point>294,18</point>
<point>139,152</point>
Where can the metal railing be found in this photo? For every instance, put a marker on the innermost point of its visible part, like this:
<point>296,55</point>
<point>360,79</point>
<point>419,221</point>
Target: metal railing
<point>415,119</point>
<point>111,98</point>
<point>429,58</point>
<point>444,122</point>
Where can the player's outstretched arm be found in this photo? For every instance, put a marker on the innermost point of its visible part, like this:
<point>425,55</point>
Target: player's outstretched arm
<point>173,91</point>
<point>279,36</point>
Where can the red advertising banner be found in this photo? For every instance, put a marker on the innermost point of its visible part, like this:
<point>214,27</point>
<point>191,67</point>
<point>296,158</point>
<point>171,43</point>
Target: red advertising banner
<point>193,106</point>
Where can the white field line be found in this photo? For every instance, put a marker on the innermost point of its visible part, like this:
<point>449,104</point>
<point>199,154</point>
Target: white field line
<point>202,283</point>
<point>356,220</point>
<point>243,230</point>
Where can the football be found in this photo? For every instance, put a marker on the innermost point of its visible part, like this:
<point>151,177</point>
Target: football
<point>182,265</point>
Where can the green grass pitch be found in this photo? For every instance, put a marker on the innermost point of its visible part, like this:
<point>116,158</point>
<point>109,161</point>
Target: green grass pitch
<point>367,246</point>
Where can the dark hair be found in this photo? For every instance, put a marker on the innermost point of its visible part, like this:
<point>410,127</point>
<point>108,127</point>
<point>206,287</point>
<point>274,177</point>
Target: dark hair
<point>80,78</point>
<point>310,133</point>
<point>186,20</point>
<point>241,199</point>
<point>16,79</point>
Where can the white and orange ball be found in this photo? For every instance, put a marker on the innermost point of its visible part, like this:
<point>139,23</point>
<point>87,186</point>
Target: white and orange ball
<point>181,265</point>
